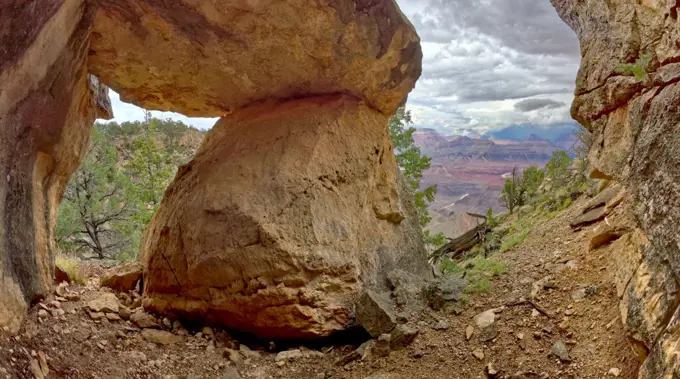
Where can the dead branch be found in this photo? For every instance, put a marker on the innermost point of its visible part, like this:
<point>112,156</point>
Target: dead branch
<point>462,243</point>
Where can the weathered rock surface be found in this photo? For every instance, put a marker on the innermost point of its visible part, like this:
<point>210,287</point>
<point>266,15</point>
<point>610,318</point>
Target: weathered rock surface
<point>122,278</point>
<point>291,207</point>
<point>279,232</point>
<point>213,58</point>
<point>47,107</point>
<point>635,122</point>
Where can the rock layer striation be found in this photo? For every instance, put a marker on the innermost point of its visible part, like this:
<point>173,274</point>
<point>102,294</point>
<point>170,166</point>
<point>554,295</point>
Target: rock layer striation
<point>635,121</point>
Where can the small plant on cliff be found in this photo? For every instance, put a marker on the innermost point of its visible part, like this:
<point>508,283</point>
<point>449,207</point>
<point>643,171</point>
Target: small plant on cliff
<point>412,164</point>
<point>637,69</point>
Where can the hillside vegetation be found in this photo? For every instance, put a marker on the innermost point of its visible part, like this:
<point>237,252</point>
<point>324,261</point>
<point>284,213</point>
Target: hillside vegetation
<point>111,198</point>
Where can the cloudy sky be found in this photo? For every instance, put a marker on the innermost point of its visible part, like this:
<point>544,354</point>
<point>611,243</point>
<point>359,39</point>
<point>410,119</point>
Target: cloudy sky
<point>487,64</point>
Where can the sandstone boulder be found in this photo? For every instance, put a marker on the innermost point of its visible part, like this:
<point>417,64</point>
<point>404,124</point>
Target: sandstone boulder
<point>211,57</point>
<point>122,278</point>
<point>288,212</point>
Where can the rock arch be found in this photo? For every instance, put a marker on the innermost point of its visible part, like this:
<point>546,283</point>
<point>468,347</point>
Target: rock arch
<point>290,208</point>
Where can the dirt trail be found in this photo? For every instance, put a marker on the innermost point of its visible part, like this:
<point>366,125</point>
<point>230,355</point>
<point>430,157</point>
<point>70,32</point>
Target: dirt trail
<point>518,345</point>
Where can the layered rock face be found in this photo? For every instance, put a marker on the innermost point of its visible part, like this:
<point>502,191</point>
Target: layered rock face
<point>287,212</point>
<point>291,207</point>
<point>636,127</point>
<point>47,107</point>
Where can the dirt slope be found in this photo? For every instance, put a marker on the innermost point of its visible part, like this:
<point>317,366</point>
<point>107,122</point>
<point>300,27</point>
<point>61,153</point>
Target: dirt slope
<point>78,347</point>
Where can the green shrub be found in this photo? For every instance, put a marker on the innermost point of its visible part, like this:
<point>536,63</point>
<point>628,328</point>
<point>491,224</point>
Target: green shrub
<point>565,204</point>
<point>478,271</point>
<point>513,241</point>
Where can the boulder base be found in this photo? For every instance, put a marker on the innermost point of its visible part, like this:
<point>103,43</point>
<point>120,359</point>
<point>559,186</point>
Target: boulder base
<point>287,213</point>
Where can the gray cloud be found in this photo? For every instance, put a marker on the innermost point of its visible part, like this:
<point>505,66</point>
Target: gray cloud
<point>528,105</point>
<point>481,57</point>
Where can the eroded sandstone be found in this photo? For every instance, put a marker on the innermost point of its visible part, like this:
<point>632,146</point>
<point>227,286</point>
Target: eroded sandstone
<point>47,107</point>
<point>287,213</point>
<point>292,206</point>
<point>635,123</point>
<point>208,58</point>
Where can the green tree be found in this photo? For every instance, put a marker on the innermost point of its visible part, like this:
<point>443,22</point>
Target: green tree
<point>558,167</point>
<point>412,164</point>
<point>151,169</point>
<point>532,177</point>
<point>513,193</point>
<point>95,205</point>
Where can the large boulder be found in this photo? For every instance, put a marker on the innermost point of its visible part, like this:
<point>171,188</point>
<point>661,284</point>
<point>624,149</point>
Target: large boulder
<point>635,126</point>
<point>211,57</point>
<point>286,214</point>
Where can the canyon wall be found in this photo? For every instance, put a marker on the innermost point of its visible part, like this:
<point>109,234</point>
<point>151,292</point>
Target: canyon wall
<point>47,107</point>
<point>628,96</point>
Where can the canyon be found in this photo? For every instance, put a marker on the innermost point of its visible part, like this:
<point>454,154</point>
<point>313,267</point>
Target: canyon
<point>470,172</point>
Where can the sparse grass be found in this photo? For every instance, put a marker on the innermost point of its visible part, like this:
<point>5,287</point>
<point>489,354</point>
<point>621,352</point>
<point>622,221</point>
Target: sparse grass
<point>513,241</point>
<point>478,271</point>
<point>71,266</point>
<point>565,204</point>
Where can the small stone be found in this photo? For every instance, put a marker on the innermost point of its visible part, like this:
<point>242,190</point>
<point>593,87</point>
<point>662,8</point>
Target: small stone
<point>402,336</point>
<point>160,337</point>
<point>485,318</point>
<point>440,325</point>
<point>381,348</point>
<point>72,297</point>
<point>491,370</point>
<point>124,313</point>
<point>143,319</point>
<point>167,323</point>
<point>97,315</point>
<point>469,331</point>
<point>488,333</point>
<point>113,317</point>
<point>106,302</point>
<point>614,371</point>
<point>42,313</point>
<point>289,355</point>
<point>374,311</point>
<point>479,354</point>
<point>520,336</point>
<point>559,349</point>
<point>234,356</point>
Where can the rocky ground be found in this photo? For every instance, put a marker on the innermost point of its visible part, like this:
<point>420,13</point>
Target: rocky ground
<point>571,330</point>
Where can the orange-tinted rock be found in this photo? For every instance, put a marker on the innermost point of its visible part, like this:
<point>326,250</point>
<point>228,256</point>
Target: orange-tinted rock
<point>211,57</point>
<point>122,278</point>
<point>47,107</point>
<point>287,213</point>
<point>278,234</point>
